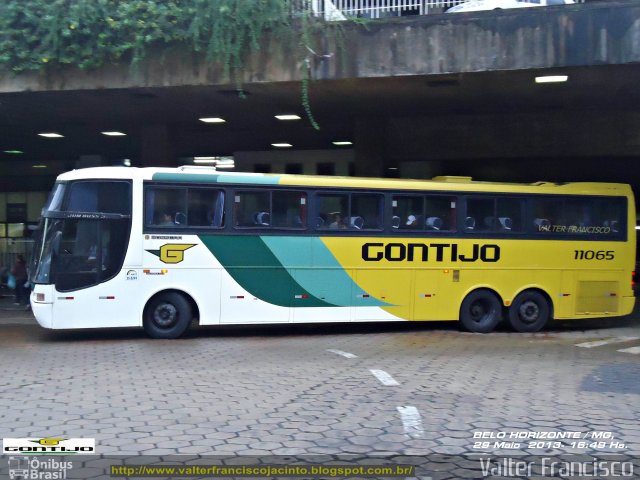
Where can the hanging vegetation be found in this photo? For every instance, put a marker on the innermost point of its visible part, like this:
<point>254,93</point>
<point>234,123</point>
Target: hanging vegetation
<point>40,35</point>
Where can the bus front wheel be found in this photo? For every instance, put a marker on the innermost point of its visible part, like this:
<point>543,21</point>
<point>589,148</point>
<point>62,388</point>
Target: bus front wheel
<point>480,311</point>
<point>167,315</point>
<point>529,312</point>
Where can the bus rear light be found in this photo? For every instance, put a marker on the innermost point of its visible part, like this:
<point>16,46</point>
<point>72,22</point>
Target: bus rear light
<point>65,298</point>
<point>633,279</point>
<point>301,297</point>
<point>39,297</point>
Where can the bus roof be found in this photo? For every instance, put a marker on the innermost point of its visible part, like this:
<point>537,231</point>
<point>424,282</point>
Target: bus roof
<point>198,174</point>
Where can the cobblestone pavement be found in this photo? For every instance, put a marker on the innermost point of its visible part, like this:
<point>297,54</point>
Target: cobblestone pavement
<point>363,389</point>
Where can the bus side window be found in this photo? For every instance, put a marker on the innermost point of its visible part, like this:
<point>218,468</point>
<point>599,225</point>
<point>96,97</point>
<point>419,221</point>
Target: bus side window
<point>482,209</point>
<point>289,209</point>
<point>409,210</point>
<point>250,208</point>
<point>206,207</point>
<point>509,212</point>
<point>498,215</point>
<point>440,213</point>
<point>333,209</point>
<point>544,214</point>
<point>166,206</point>
<point>366,211</point>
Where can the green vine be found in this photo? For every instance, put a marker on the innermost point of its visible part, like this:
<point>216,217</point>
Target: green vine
<point>41,35</point>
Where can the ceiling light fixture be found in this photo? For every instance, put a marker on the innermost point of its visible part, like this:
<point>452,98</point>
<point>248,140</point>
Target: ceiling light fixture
<point>14,152</point>
<point>552,79</point>
<point>38,166</point>
<point>51,135</point>
<point>342,143</point>
<point>288,117</point>
<point>212,120</point>
<point>114,134</point>
<point>281,145</point>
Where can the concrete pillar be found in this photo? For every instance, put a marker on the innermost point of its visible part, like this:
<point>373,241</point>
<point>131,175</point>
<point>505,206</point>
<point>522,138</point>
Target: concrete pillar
<point>370,139</point>
<point>156,149</point>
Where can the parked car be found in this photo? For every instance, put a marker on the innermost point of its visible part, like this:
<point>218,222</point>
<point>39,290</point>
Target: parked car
<point>476,5</point>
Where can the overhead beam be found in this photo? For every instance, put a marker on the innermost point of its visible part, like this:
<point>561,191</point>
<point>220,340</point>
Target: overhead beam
<point>537,38</point>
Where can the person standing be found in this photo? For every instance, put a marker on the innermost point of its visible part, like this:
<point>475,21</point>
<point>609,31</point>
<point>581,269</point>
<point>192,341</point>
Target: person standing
<point>19,271</point>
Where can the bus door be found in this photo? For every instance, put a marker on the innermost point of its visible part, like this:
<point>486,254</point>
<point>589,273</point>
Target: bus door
<point>90,284</point>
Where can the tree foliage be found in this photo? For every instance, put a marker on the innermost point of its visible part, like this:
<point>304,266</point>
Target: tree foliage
<point>38,34</point>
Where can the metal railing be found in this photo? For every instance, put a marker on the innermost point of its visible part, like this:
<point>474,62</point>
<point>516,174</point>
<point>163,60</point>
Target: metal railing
<point>342,9</point>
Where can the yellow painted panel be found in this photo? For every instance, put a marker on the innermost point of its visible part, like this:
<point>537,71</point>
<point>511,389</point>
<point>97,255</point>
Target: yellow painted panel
<point>506,266</point>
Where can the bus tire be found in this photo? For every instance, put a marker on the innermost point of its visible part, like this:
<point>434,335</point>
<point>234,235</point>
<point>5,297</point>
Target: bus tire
<point>167,315</point>
<point>529,312</point>
<point>480,311</point>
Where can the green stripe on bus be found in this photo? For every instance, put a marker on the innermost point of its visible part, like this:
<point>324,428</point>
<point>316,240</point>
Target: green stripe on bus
<point>213,178</point>
<point>252,264</point>
<point>316,269</point>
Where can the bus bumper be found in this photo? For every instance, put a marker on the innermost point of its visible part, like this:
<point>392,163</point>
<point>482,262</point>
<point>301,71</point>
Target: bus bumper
<point>43,313</point>
<point>627,306</point>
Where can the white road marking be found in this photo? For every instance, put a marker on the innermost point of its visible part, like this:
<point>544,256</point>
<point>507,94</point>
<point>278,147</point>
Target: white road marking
<point>608,341</point>
<point>384,378</point>
<point>344,354</point>
<point>634,350</point>
<point>411,421</point>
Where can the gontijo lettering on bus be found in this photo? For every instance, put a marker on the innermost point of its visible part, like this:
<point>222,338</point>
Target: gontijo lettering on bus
<point>422,252</point>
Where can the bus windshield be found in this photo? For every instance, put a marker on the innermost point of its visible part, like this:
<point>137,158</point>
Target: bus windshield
<point>84,235</point>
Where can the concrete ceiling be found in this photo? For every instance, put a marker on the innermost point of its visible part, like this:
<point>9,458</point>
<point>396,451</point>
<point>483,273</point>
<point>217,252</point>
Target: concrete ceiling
<point>592,92</point>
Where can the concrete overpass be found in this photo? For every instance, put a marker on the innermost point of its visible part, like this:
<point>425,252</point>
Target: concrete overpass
<point>417,96</point>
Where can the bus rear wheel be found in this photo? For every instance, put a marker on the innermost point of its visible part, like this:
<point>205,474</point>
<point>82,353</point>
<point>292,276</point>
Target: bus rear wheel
<point>167,315</point>
<point>529,312</point>
<point>480,311</point>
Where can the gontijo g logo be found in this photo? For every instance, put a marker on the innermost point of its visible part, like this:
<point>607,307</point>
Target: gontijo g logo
<point>49,446</point>
<point>172,252</point>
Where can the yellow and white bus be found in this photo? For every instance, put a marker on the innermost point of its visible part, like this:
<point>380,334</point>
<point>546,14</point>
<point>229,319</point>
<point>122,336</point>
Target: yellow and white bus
<point>160,248</point>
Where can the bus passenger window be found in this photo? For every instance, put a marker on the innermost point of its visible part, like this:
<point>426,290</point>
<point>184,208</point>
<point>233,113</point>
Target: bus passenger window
<point>206,207</point>
<point>545,211</point>
<point>289,209</point>
<point>440,213</point>
<point>165,207</point>
<point>482,210</point>
<point>579,215</point>
<point>252,209</point>
<point>366,211</point>
<point>498,215</point>
<point>332,211</point>
<point>409,210</point>
<point>509,213</point>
